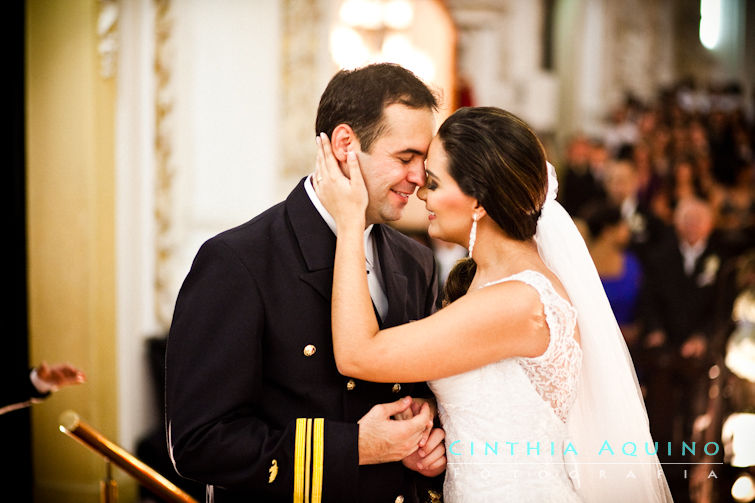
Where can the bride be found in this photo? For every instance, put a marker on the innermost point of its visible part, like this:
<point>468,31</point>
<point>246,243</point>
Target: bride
<point>535,388</point>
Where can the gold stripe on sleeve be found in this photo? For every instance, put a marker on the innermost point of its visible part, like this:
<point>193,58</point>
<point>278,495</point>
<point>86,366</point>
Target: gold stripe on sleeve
<point>317,459</point>
<point>308,461</point>
<point>299,460</point>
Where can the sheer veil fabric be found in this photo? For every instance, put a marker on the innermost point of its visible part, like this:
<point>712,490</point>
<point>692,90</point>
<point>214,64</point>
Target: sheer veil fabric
<point>615,455</point>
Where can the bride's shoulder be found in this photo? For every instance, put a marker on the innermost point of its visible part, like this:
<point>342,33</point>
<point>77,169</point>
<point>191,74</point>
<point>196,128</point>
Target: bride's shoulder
<point>529,285</point>
<point>518,292</point>
<point>556,284</point>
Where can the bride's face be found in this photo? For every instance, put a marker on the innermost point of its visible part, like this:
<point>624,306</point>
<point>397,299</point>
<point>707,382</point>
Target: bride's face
<point>450,209</point>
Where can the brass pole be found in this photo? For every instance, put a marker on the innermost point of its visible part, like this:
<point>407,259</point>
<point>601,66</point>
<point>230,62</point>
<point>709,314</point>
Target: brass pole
<point>108,485</point>
<point>73,426</point>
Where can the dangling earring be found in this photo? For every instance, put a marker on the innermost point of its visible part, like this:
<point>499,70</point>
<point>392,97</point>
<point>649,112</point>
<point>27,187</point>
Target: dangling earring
<point>473,233</point>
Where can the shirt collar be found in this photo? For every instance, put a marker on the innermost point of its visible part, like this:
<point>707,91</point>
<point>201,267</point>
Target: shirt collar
<point>327,216</point>
<point>629,206</point>
<point>695,250</point>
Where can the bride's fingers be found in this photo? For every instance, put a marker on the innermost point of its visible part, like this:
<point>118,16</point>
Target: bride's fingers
<point>355,173</point>
<point>425,436</point>
<point>330,162</point>
<point>433,456</point>
<point>319,162</point>
<point>425,410</point>
<point>434,441</point>
<point>437,464</point>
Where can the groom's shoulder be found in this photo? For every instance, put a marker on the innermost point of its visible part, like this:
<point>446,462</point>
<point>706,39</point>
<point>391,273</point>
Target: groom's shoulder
<point>272,222</point>
<point>252,230</point>
<point>256,241</point>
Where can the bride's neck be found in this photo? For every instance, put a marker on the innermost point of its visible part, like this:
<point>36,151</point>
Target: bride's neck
<point>498,256</point>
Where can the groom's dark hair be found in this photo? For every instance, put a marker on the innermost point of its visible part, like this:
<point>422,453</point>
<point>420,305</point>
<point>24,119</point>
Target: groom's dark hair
<point>358,98</point>
<point>495,157</point>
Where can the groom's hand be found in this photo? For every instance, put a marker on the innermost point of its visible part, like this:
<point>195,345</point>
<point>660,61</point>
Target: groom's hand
<point>430,459</point>
<point>382,440</point>
<point>416,407</point>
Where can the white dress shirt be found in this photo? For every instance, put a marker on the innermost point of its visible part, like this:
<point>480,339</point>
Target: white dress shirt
<point>690,254</point>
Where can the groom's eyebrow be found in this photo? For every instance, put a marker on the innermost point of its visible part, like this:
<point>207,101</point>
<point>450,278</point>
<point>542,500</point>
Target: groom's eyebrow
<point>410,151</point>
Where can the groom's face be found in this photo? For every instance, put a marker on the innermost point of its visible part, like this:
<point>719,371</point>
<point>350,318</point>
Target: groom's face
<point>395,165</point>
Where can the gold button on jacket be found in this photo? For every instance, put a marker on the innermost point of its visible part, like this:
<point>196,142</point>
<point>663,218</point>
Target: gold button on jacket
<point>309,350</point>
<point>350,384</point>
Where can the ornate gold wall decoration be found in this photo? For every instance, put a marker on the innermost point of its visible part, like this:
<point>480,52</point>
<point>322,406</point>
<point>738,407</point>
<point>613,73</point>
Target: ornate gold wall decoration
<point>301,31</point>
<point>107,34</point>
<point>165,168</point>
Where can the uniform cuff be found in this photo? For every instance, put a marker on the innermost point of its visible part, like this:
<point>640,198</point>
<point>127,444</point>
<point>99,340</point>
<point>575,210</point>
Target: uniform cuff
<point>341,461</point>
<point>43,388</point>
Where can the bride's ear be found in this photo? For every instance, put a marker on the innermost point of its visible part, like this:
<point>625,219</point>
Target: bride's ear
<point>343,140</point>
<point>479,210</point>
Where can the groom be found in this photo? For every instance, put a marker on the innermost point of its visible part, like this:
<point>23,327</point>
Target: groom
<point>255,407</point>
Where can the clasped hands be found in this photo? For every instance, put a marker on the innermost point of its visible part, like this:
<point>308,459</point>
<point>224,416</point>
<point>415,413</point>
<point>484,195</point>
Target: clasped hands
<point>403,430</point>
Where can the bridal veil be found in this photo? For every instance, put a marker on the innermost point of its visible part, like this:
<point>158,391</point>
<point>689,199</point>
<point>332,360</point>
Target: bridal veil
<point>616,457</point>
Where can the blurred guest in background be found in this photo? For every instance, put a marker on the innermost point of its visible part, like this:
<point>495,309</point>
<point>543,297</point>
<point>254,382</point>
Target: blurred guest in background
<point>690,141</point>
<point>622,187</point>
<point>581,176</point>
<point>683,182</point>
<point>619,269</point>
<point>723,147</point>
<point>648,180</point>
<point>622,128</point>
<point>736,211</point>
<point>38,384</point>
<point>683,280</point>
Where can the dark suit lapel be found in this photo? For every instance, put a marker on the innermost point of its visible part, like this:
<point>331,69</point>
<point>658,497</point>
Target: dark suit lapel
<point>394,279</point>
<point>317,243</point>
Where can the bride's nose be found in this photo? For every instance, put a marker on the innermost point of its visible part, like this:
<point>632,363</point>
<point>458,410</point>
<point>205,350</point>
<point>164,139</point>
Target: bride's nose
<point>422,193</point>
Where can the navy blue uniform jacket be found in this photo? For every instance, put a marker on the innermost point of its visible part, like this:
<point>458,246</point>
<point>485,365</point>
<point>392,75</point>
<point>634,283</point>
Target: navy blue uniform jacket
<point>255,406</point>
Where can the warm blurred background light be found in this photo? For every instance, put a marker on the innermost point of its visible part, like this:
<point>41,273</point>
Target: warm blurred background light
<point>743,490</point>
<point>710,22</point>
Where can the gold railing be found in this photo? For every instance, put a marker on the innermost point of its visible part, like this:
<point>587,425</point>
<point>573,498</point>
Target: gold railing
<point>74,427</point>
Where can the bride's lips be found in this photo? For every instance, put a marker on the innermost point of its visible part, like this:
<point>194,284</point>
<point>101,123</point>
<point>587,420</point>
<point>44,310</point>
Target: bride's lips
<point>431,215</point>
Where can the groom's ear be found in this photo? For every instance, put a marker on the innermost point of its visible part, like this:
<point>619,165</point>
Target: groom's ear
<point>343,140</point>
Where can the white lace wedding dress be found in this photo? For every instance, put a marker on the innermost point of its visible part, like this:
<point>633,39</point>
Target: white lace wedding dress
<point>506,437</point>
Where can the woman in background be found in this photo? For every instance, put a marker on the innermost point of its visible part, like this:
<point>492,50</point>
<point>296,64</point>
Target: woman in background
<point>619,269</point>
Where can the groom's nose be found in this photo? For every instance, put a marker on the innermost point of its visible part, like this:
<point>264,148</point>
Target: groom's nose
<point>416,173</point>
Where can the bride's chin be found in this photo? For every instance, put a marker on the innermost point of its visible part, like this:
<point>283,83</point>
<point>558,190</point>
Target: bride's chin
<point>435,234</point>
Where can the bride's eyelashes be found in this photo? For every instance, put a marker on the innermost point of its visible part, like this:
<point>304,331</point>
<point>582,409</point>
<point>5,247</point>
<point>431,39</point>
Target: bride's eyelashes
<point>431,184</point>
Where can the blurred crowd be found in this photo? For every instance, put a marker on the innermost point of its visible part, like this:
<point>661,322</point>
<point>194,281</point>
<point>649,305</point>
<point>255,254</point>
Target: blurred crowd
<point>666,201</point>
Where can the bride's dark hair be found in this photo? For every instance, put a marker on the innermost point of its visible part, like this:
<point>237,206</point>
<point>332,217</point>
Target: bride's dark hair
<point>496,158</point>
